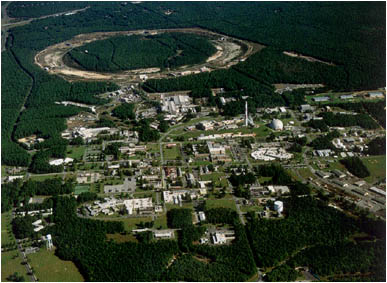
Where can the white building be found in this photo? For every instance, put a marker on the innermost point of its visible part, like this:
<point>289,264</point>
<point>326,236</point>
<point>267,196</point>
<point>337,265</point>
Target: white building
<point>219,238</point>
<point>141,203</point>
<point>202,216</point>
<point>278,206</point>
<point>277,125</point>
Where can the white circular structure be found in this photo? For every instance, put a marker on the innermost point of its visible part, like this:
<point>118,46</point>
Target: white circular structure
<point>276,125</point>
<point>279,206</point>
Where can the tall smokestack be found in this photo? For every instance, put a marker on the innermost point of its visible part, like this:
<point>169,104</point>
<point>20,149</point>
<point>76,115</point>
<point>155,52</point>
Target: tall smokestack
<point>246,115</point>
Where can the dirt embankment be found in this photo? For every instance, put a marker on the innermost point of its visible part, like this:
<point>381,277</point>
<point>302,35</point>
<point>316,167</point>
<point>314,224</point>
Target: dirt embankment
<point>229,52</point>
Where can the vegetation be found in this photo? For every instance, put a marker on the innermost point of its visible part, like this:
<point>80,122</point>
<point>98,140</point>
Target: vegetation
<point>355,166</point>
<point>14,84</point>
<point>345,257</point>
<point>377,146</point>
<point>309,222</point>
<point>125,111</point>
<point>325,141</point>
<point>166,50</point>
<point>23,9</point>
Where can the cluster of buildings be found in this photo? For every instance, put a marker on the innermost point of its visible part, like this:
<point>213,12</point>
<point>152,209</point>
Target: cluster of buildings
<point>257,191</point>
<point>225,136</point>
<point>61,161</point>
<point>219,125</point>
<point>178,196</point>
<point>271,153</point>
<point>177,104</point>
<point>111,205</point>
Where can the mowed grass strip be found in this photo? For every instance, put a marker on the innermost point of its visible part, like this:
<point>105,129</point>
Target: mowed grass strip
<point>50,268</point>
<point>214,203</point>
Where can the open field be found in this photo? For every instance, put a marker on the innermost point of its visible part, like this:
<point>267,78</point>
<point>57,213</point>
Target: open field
<point>227,203</point>
<point>44,177</point>
<point>48,267</point>
<point>6,228</point>
<point>171,153</point>
<point>377,167</point>
<point>81,189</point>
<point>11,262</point>
<point>76,152</point>
<point>161,221</point>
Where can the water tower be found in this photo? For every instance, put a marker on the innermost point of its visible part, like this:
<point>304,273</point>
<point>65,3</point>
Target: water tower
<point>49,244</point>
<point>279,206</point>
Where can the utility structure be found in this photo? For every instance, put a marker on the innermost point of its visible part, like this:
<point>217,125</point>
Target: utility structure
<point>246,116</point>
<point>49,244</point>
<point>248,119</point>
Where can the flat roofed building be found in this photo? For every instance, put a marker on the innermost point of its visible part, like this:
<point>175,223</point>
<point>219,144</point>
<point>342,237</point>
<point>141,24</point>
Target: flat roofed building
<point>320,98</point>
<point>378,191</point>
<point>163,234</point>
<point>219,238</point>
<point>338,173</point>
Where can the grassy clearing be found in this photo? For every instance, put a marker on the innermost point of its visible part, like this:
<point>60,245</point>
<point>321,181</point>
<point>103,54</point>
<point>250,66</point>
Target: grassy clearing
<point>3,174</point>
<point>81,189</point>
<point>118,238</point>
<point>76,152</point>
<point>227,203</point>
<point>152,147</point>
<point>171,153</point>
<point>161,221</point>
<point>50,268</point>
<point>251,208</point>
<point>11,262</point>
<point>130,223</point>
<point>305,173</point>
<point>377,167</point>
<point>6,229</point>
<point>44,177</point>
<point>185,205</point>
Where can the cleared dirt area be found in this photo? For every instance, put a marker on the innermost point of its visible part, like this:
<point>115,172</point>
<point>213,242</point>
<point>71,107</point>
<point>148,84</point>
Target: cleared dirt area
<point>230,51</point>
<point>307,58</point>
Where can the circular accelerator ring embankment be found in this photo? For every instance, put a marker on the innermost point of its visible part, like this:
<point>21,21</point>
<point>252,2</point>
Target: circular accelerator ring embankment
<point>229,52</point>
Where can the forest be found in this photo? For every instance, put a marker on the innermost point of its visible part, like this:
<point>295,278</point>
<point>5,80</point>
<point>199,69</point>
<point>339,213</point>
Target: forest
<point>309,222</point>
<point>355,166</point>
<point>377,146</point>
<point>345,258</point>
<point>34,9</point>
<point>166,50</point>
<point>14,84</point>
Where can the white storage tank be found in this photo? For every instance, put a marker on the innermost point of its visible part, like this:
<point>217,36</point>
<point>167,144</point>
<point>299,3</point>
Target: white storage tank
<point>278,206</point>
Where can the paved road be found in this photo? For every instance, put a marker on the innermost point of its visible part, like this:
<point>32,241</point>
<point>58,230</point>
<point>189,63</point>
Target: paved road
<point>238,210</point>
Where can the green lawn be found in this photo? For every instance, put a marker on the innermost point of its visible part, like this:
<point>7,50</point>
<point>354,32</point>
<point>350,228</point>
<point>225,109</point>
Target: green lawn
<point>251,208</point>
<point>171,153</point>
<point>161,221</point>
<point>44,177</point>
<point>81,189</point>
<point>152,147</point>
<point>48,267</point>
<point>11,262</point>
<point>377,167</point>
<point>227,203</point>
<point>3,171</point>
<point>216,177</point>
<point>76,152</point>
<point>185,205</point>
<point>6,229</point>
